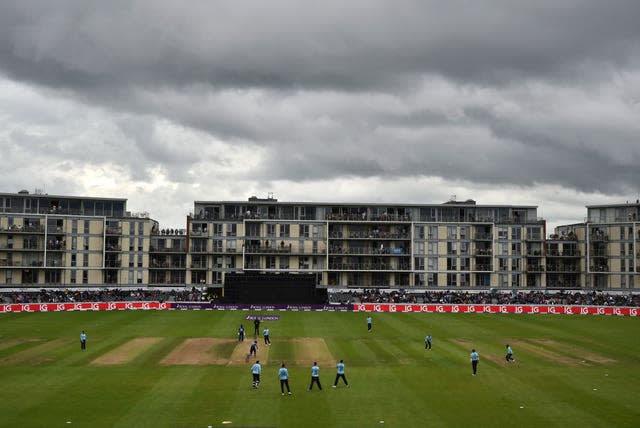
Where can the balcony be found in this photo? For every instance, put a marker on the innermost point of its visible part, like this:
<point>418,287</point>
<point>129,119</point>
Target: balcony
<point>22,229</point>
<point>336,250</point>
<point>267,249</point>
<point>368,266</point>
<point>113,231</point>
<point>153,249</point>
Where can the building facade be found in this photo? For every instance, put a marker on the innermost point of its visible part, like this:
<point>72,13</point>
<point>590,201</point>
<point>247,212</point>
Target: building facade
<point>57,241</point>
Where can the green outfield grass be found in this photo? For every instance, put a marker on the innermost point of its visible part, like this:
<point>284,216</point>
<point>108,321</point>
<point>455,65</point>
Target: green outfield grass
<point>570,371</point>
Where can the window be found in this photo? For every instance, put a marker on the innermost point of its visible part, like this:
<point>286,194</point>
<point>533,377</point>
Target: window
<point>451,232</point>
<point>452,279</point>
<point>432,263</point>
<point>431,279</point>
<point>139,280</point>
<point>85,260</point>
<point>465,263</point>
<point>217,246</point>
<point>85,276</point>
<point>73,259</point>
<point>87,225</point>
<point>515,280</point>
<point>432,248</point>
<point>502,232</point>
<point>433,232</point>
<point>271,229</point>
<point>419,233</point>
<point>419,248</point>
<point>516,233</point>
<point>463,232</point>
<point>284,230</point>
<point>503,248</point>
<point>140,228</point>
<point>271,262</point>
<point>419,263</point>
<point>284,262</point>
<point>73,276</point>
<point>515,249</point>
<point>452,248</point>
<point>464,248</point>
<point>304,230</point>
<point>231,229</point>
<point>232,245</point>
<point>74,226</point>
<point>533,232</point>
<point>503,263</point>
<point>230,262</point>
<point>139,260</point>
<point>317,231</point>
<point>217,229</point>
<point>503,280</point>
<point>86,243</point>
<point>304,262</point>
<point>452,263</point>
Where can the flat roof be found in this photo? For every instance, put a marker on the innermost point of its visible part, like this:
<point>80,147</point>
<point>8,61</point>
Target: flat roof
<point>46,195</point>
<point>380,204</point>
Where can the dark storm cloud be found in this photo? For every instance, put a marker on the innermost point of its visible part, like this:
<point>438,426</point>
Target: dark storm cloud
<point>486,92</point>
<point>349,45</point>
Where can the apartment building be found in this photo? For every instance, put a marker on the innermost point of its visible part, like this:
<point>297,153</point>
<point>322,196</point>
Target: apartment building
<point>49,240</point>
<point>63,241</point>
<point>604,251</point>
<point>456,244</point>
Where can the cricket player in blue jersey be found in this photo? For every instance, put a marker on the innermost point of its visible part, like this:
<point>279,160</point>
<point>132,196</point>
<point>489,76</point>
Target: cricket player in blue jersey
<point>340,374</point>
<point>256,369</point>
<point>427,341</point>
<point>474,361</point>
<point>509,356</point>
<point>283,375</point>
<point>315,376</point>
<point>83,341</point>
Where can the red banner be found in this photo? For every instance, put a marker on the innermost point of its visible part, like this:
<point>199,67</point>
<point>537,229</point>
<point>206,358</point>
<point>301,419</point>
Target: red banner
<point>84,306</point>
<point>498,309</point>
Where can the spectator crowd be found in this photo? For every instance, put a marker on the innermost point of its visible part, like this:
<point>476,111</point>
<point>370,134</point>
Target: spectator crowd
<point>495,297</point>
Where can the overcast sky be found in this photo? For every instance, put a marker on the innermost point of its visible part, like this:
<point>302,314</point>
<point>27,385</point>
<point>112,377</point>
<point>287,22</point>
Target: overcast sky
<point>168,102</point>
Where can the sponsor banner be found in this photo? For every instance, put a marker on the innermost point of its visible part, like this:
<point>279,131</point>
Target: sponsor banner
<point>255,307</point>
<point>497,309</point>
<point>82,306</point>
<point>262,317</point>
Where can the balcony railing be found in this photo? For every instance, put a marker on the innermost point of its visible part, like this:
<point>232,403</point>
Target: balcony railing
<point>23,229</point>
<point>267,249</point>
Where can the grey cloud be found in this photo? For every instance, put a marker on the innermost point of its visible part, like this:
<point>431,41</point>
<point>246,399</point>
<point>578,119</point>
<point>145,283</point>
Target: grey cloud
<point>353,46</point>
